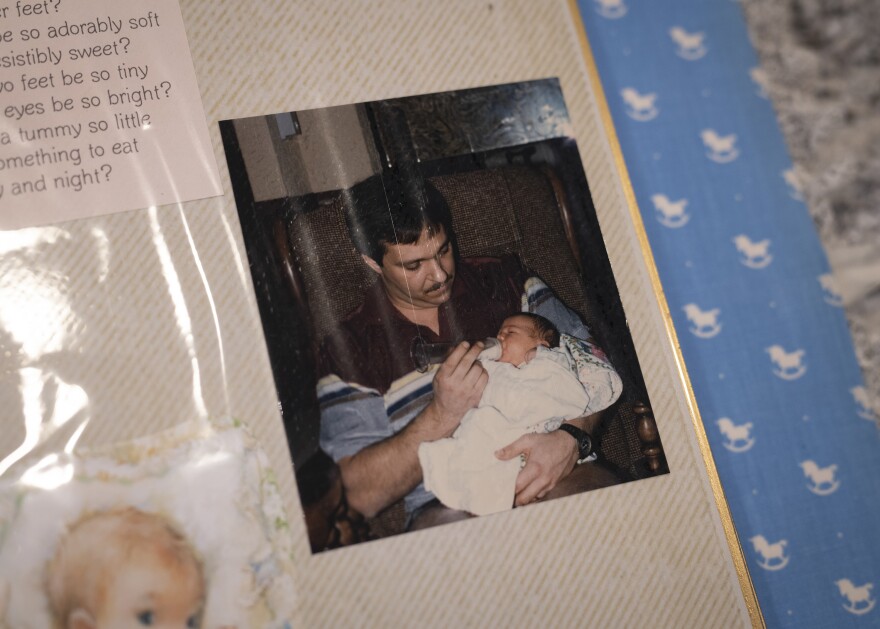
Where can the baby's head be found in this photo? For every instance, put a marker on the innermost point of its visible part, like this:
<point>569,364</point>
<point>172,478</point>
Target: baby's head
<point>522,334</point>
<point>125,568</point>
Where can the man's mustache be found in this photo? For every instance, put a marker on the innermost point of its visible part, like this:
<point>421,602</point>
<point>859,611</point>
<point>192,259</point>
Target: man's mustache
<point>438,286</point>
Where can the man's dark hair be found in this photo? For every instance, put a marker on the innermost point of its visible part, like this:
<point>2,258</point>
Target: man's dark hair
<point>385,210</point>
<point>544,328</point>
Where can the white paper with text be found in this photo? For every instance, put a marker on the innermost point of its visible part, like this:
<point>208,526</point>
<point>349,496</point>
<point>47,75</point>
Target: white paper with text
<point>99,111</point>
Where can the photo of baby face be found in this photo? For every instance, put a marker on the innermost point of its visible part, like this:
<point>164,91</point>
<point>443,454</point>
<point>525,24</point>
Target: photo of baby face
<point>122,569</point>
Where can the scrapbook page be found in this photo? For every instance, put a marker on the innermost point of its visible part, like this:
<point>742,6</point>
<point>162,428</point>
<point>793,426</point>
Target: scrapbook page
<point>480,132</point>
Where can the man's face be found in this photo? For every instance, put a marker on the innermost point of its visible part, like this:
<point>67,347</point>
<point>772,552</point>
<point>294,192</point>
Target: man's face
<point>518,337</point>
<point>418,275</point>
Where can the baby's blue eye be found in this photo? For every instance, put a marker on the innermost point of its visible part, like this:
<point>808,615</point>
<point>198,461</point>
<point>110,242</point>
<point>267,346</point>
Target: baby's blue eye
<point>192,622</point>
<point>145,618</point>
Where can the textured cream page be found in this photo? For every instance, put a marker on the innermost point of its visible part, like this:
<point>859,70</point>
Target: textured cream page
<point>140,321</point>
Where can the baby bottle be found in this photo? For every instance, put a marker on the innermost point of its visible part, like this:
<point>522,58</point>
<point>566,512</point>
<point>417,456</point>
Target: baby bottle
<point>425,354</point>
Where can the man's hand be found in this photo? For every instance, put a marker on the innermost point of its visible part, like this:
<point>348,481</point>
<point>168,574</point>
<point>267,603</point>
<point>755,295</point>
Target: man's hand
<point>387,470</point>
<point>549,458</point>
<point>458,386</point>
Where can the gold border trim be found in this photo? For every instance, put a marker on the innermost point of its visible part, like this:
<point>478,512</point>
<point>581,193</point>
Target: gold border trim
<point>736,552</point>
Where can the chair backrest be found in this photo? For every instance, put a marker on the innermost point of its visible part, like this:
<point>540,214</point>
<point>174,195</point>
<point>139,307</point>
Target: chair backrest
<point>332,275</point>
<point>515,209</point>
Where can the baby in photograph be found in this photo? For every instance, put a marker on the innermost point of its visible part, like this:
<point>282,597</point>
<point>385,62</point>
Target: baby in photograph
<point>125,568</point>
<point>532,388</point>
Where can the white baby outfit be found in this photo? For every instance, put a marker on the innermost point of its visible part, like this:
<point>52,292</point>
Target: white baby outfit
<point>462,471</point>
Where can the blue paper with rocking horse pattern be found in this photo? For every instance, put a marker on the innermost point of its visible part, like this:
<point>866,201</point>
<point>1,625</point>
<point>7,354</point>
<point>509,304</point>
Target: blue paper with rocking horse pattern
<point>753,302</point>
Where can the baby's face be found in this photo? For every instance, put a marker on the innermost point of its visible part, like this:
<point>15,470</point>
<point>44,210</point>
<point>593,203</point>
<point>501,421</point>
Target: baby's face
<point>154,593</point>
<point>519,340</point>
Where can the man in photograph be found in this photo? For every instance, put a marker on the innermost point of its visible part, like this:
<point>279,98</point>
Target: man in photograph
<point>376,408</point>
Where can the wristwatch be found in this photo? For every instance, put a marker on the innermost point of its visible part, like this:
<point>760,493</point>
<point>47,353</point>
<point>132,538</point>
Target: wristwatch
<point>584,441</point>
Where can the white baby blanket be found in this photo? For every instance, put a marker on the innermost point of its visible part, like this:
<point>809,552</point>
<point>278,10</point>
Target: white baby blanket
<point>462,471</point>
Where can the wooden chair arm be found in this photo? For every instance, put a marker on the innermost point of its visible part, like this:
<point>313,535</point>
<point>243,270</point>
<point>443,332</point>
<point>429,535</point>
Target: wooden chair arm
<point>649,437</point>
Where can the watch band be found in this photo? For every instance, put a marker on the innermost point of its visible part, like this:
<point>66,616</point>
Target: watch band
<point>583,439</point>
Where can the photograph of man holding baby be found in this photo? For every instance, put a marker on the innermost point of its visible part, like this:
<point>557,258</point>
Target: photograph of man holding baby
<point>441,317</point>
